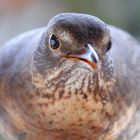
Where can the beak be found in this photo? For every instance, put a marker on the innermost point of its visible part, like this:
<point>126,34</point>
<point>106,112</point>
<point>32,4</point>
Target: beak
<point>90,57</point>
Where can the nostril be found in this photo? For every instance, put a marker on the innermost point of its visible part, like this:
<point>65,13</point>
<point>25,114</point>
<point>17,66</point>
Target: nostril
<point>86,46</point>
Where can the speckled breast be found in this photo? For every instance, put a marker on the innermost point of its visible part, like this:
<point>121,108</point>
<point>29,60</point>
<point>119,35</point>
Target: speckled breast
<point>74,106</point>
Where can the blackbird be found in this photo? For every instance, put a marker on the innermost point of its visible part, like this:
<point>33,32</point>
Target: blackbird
<point>75,79</point>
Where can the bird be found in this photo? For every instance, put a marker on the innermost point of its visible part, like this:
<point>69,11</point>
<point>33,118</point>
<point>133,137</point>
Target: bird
<point>78,78</point>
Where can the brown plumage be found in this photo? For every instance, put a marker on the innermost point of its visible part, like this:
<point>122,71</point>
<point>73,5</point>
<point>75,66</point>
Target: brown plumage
<point>76,79</point>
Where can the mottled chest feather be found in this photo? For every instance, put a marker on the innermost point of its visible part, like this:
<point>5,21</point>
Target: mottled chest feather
<point>72,103</point>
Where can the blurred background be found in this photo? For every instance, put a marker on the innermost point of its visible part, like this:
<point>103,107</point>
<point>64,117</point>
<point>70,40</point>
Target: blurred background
<point>17,16</point>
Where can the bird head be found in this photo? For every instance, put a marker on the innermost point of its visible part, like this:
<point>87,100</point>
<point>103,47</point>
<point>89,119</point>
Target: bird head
<point>80,38</point>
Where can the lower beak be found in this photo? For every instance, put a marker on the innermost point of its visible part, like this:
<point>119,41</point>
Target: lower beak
<point>90,57</point>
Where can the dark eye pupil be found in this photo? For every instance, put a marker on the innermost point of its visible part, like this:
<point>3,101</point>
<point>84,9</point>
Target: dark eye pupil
<point>108,46</point>
<point>54,43</point>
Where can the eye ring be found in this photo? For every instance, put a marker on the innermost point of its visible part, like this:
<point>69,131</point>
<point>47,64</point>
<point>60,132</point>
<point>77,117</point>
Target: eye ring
<point>54,42</point>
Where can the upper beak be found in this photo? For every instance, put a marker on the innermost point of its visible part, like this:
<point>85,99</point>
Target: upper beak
<point>90,57</point>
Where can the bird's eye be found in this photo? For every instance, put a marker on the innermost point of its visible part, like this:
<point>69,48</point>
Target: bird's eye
<point>54,42</point>
<point>108,47</point>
